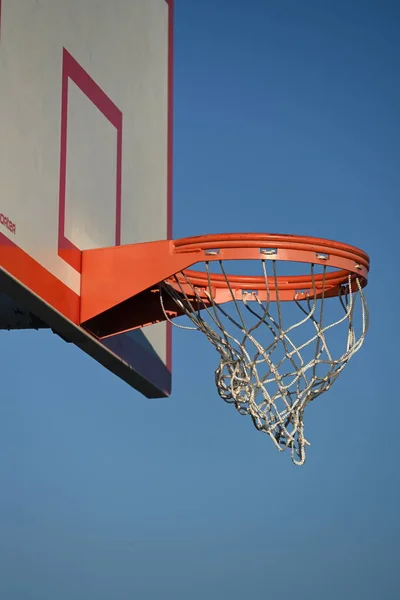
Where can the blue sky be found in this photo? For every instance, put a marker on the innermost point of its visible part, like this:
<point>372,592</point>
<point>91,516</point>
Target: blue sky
<point>286,120</point>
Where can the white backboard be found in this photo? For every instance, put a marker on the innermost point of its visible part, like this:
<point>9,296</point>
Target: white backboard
<point>85,161</point>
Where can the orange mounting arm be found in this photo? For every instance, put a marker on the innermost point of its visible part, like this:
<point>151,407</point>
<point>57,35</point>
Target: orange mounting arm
<point>119,285</point>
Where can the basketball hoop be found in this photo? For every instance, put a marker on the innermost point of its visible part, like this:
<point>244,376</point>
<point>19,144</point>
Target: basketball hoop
<point>270,369</point>
<point>282,339</point>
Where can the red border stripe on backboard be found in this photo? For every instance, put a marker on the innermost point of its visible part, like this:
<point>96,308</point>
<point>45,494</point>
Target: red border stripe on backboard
<point>170,153</point>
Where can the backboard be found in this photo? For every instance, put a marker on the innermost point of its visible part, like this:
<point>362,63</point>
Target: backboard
<point>85,162</point>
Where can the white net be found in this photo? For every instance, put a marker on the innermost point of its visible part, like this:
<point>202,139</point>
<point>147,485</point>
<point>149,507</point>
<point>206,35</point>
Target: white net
<point>275,357</point>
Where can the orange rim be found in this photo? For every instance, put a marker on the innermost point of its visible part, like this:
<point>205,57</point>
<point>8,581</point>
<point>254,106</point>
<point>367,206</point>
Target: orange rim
<point>352,266</point>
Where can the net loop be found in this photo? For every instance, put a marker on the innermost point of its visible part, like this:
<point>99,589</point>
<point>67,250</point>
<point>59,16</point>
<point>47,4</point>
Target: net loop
<point>275,357</point>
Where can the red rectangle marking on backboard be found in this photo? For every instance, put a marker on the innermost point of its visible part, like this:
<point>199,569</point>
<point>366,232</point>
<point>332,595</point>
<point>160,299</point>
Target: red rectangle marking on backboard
<point>72,70</point>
